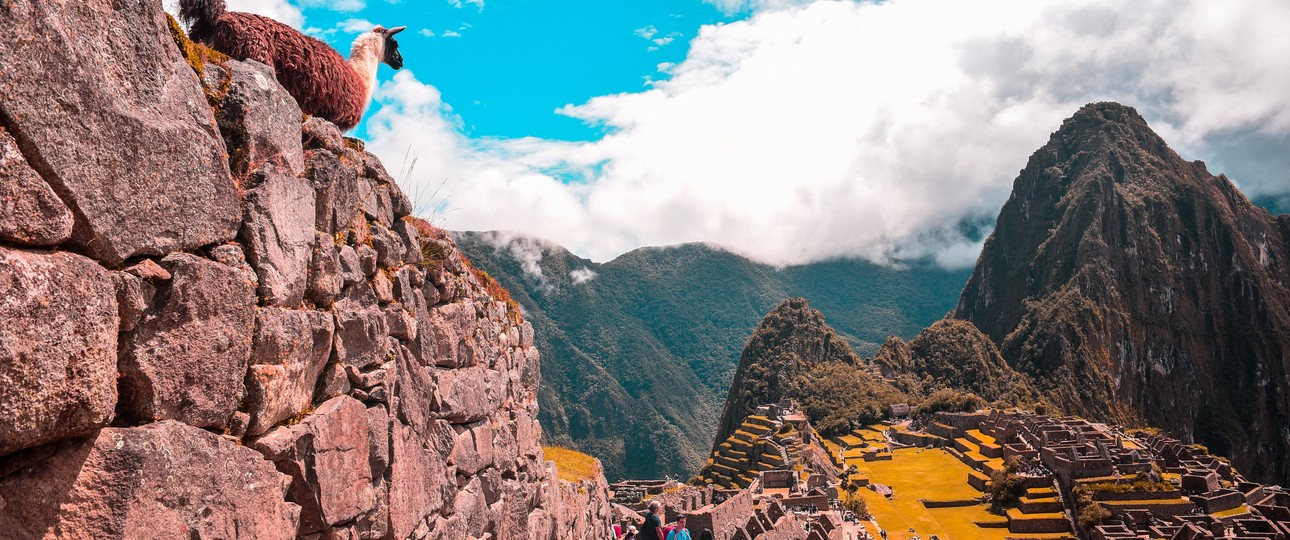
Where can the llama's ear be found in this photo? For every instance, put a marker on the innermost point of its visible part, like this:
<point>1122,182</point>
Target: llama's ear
<point>395,30</point>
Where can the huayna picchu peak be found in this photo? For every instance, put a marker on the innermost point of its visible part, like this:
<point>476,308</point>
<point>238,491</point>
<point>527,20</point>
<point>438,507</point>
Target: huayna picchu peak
<point>1132,285</point>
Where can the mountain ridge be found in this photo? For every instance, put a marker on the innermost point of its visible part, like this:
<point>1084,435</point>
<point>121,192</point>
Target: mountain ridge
<point>1134,286</point>
<point>689,309</point>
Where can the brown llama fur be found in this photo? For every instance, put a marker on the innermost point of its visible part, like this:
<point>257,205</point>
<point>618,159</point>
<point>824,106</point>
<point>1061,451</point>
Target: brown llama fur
<point>324,83</point>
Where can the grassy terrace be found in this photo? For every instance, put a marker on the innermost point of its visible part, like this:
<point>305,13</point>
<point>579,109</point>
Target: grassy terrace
<point>571,465</point>
<point>917,474</point>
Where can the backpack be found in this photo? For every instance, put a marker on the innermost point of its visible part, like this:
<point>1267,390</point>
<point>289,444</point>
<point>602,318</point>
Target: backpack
<point>667,531</point>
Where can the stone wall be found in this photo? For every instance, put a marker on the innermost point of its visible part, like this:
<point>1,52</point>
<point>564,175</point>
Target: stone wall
<point>219,323</point>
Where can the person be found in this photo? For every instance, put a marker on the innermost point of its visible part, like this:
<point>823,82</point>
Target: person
<point>706,534</point>
<point>652,528</point>
<point>630,534</point>
<point>679,532</point>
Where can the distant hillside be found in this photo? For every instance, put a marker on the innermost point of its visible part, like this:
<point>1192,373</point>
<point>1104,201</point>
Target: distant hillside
<point>1135,286</point>
<point>637,360</point>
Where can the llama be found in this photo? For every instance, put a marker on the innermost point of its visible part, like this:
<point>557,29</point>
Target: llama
<point>325,84</point>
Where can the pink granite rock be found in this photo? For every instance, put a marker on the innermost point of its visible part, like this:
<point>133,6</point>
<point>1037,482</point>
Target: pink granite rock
<point>187,358</point>
<point>278,231</point>
<point>30,212</point>
<point>57,347</point>
<point>289,351</point>
<point>114,119</point>
<point>160,481</point>
<point>327,456</point>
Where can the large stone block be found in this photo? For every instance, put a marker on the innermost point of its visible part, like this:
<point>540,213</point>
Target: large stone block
<point>327,456</point>
<point>338,188</point>
<point>289,351</point>
<point>187,358</point>
<point>107,111</point>
<point>361,333</point>
<point>421,483</point>
<point>278,230</point>
<point>57,347</point>
<point>258,117</point>
<point>473,448</point>
<point>30,212</point>
<point>160,481</point>
<point>325,279</point>
<point>469,394</point>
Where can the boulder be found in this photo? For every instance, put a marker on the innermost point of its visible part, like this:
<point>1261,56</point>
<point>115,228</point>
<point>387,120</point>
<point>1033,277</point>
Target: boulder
<point>421,483</point>
<point>337,188</point>
<point>411,241</point>
<point>377,203</point>
<point>360,334</point>
<point>452,327</point>
<point>133,296</point>
<point>351,268</point>
<point>388,245</point>
<point>187,358</point>
<point>325,279</point>
<point>469,394</point>
<point>30,212</point>
<point>160,481</point>
<point>260,121</point>
<point>318,133</point>
<point>108,113</point>
<point>57,347</point>
<point>472,450</point>
<point>278,231</point>
<point>288,353</point>
<point>327,456</point>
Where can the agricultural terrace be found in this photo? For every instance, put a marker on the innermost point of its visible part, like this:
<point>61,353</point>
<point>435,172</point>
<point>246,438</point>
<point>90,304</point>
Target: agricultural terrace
<point>915,474</point>
<point>571,465</point>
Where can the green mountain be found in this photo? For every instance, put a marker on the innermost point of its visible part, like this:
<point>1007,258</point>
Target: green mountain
<point>638,353</point>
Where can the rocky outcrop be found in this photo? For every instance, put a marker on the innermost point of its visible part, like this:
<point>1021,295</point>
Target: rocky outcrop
<point>954,354</point>
<point>336,369</point>
<point>793,354</point>
<point>1134,286</point>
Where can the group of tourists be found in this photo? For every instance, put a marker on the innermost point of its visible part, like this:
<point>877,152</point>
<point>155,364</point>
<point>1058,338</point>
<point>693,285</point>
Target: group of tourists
<point>652,528</point>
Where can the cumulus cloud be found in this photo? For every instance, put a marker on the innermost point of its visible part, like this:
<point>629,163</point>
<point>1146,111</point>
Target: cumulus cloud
<point>582,275</point>
<point>336,5</point>
<point>279,10</point>
<point>463,3</point>
<point>875,130</point>
<point>526,250</point>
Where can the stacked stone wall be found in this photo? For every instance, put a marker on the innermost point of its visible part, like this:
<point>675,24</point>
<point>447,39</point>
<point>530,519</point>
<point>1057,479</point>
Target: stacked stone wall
<point>221,322</point>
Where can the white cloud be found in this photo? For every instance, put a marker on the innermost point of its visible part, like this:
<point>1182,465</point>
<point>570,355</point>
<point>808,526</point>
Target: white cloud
<point>451,33</point>
<point>582,275</point>
<point>462,3</point>
<point>278,10</point>
<point>348,6</point>
<point>356,26</point>
<point>427,32</point>
<point>859,129</point>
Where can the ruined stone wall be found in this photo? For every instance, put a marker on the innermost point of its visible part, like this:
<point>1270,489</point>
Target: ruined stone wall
<point>218,323</point>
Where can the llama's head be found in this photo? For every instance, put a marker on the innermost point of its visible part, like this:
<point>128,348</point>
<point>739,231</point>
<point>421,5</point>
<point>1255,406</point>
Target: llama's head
<point>390,48</point>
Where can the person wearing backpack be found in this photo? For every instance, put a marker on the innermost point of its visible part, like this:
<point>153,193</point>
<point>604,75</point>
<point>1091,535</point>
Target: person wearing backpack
<point>652,528</point>
<point>679,532</point>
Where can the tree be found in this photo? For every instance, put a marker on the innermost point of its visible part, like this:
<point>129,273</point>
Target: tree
<point>1006,485</point>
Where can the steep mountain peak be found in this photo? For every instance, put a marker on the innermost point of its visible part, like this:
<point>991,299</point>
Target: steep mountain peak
<point>1133,286</point>
<point>791,340</point>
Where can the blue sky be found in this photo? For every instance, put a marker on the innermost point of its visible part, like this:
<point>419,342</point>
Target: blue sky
<point>505,67</point>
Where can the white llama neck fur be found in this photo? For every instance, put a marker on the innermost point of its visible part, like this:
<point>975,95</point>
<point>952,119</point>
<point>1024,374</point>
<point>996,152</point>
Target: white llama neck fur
<point>365,57</point>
